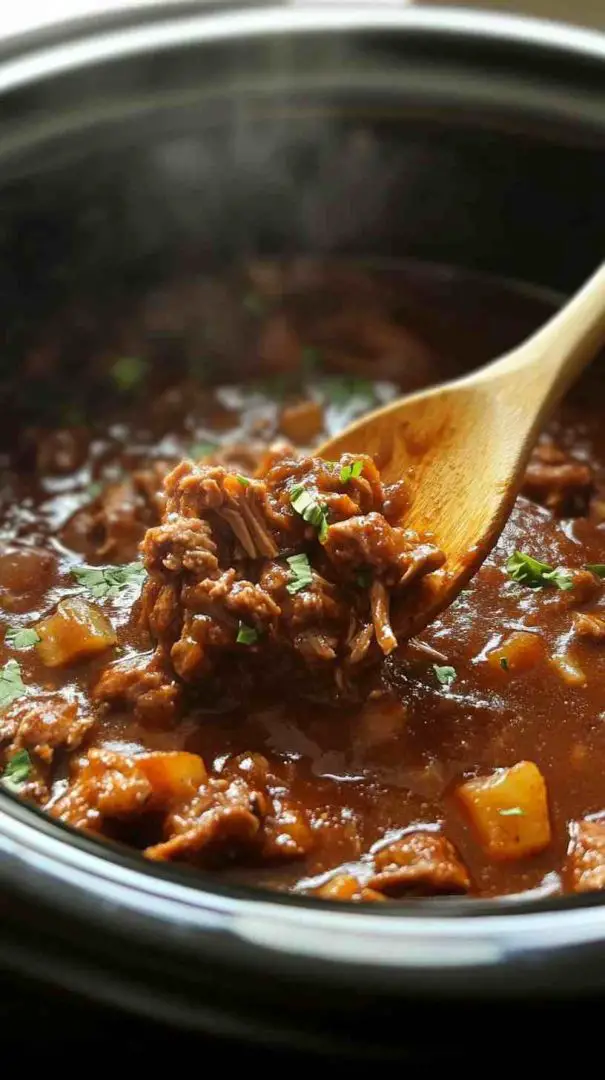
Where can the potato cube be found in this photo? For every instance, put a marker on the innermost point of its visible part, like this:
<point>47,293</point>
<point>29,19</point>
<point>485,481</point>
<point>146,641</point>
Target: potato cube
<point>75,631</point>
<point>175,775</point>
<point>508,810</point>
<point>520,651</point>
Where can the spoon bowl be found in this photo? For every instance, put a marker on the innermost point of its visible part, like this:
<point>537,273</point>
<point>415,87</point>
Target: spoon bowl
<point>464,445</point>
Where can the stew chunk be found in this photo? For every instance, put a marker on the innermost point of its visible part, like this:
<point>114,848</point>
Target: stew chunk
<point>509,810</point>
<point>585,867</point>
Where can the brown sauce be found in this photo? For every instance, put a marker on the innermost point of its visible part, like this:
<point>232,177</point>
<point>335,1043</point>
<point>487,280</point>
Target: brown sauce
<point>366,772</point>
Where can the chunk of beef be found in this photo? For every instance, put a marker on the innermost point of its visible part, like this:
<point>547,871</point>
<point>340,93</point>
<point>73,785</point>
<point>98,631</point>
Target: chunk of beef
<point>558,481</point>
<point>585,865</point>
<point>346,887</point>
<point>141,684</point>
<point>422,863</point>
<point>44,724</point>
<point>223,589</point>
<point>113,524</point>
<point>107,785</point>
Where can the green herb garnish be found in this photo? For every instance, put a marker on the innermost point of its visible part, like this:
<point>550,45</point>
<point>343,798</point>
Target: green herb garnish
<point>246,635</point>
<point>310,360</point>
<point>597,568</point>
<point>128,372</point>
<point>302,575</point>
<point>310,510</point>
<point>512,811</point>
<point>363,578</point>
<point>445,675</point>
<point>504,663</point>
<point>203,450</point>
<point>341,391</point>
<point>11,683</point>
<point>16,770</point>
<point>535,574</point>
<point>243,480</point>
<point>94,489</point>
<point>104,582</point>
<point>351,472</point>
<point>21,639</point>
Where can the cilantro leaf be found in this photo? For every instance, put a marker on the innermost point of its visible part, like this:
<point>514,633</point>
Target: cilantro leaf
<point>504,663</point>
<point>535,574</point>
<point>445,675</point>
<point>105,582</point>
<point>310,510</point>
<point>351,472</point>
<point>341,391</point>
<point>597,568</point>
<point>11,683</point>
<point>246,635</point>
<point>243,480</point>
<point>21,639</point>
<point>16,770</point>
<point>512,811</point>
<point>128,372</point>
<point>302,575</point>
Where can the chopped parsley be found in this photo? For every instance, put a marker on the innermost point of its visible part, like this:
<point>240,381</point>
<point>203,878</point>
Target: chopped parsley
<point>310,510</point>
<point>310,360</point>
<point>21,639</point>
<point>340,391</point>
<point>597,568</point>
<point>254,304</point>
<point>302,575</point>
<point>504,663</point>
<point>94,489</point>
<point>243,480</point>
<point>512,811</point>
<point>104,582</point>
<point>363,577</point>
<point>203,449</point>
<point>445,675</point>
<point>535,574</point>
<point>246,635</point>
<point>11,683</point>
<point>16,770</point>
<point>351,472</point>
<point>128,372</point>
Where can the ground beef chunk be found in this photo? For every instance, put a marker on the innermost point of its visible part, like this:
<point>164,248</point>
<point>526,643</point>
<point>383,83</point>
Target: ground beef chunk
<point>421,863</point>
<point>558,481</point>
<point>223,590</point>
<point>44,724</point>
<point>585,865</point>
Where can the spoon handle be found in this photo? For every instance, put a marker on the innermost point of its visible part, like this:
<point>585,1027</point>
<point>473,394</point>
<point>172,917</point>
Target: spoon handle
<point>548,363</point>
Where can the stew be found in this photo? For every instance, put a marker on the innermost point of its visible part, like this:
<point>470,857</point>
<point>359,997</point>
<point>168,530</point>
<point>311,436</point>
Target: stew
<point>200,655</point>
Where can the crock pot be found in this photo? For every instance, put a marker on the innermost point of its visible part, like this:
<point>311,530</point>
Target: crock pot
<point>126,140</point>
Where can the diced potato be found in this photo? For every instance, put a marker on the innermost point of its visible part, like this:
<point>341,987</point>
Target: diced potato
<point>520,651</point>
<point>302,422</point>
<point>75,631</point>
<point>174,776</point>
<point>346,887</point>
<point>509,811</point>
<point>568,669</point>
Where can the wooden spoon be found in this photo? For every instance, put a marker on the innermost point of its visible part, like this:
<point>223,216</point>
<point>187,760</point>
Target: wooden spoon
<point>465,444</point>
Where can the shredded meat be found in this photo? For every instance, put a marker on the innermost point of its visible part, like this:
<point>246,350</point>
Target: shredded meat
<point>219,562</point>
<point>422,863</point>
<point>585,866</point>
<point>558,481</point>
<point>44,724</point>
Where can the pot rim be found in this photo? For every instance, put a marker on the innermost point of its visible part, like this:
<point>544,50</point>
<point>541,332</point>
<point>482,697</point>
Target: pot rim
<point>446,945</point>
